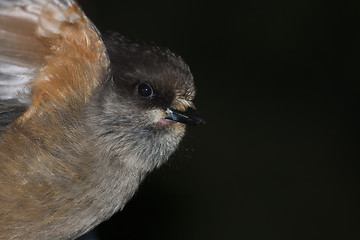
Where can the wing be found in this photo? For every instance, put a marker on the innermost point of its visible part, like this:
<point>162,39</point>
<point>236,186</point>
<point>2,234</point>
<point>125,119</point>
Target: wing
<point>50,53</point>
<point>9,111</point>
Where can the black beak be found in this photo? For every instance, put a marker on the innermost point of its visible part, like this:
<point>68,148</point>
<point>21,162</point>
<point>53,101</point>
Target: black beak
<point>189,117</point>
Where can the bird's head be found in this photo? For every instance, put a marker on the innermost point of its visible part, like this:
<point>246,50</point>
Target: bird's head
<point>147,101</point>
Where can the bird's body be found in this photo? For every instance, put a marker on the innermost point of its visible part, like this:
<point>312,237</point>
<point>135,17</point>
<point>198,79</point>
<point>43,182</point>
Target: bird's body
<point>81,121</point>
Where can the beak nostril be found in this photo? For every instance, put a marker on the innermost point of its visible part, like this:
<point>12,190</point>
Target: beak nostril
<point>189,117</point>
<point>83,118</point>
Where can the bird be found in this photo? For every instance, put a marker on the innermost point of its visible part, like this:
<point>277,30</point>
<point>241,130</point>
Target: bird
<point>84,118</point>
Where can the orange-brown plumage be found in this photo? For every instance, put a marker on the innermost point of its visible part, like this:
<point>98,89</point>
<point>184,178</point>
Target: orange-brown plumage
<point>81,122</point>
<point>74,65</point>
<point>72,62</point>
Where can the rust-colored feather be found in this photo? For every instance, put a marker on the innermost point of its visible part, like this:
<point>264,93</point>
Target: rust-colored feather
<point>76,63</point>
<point>81,142</point>
<point>67,60</point>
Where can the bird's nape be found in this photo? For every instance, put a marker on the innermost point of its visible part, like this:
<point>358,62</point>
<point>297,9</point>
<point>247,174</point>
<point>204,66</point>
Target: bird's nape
<point>82,120</point>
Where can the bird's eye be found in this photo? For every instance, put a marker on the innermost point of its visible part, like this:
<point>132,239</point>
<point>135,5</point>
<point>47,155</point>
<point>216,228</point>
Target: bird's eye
<point>145,90</point>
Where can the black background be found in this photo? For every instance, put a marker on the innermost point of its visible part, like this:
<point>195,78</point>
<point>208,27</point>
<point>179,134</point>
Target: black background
<point>278,83</point>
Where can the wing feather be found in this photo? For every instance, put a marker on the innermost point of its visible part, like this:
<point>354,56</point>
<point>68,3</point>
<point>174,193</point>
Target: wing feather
<point>49,52</point>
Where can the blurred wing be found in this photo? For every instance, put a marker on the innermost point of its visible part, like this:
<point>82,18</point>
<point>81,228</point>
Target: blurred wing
<point>49,52</point>
<point>21,52</point>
